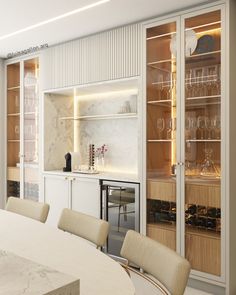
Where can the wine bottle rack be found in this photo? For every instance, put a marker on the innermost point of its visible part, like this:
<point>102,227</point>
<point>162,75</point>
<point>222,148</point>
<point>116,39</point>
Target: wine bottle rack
<point>196,216</point>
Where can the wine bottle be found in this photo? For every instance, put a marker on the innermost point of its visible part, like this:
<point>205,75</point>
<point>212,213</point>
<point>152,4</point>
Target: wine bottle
<point>192,209</point>
<point>211,212</point>
<point>165,205</point>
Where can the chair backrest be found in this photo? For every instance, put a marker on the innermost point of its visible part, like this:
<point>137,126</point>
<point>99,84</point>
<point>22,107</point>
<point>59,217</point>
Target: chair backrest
<point>28,208</point>
<point>164,264</point>
<point>85,226</point>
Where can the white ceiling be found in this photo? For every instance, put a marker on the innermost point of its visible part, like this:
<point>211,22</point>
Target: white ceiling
<point>16,15</point>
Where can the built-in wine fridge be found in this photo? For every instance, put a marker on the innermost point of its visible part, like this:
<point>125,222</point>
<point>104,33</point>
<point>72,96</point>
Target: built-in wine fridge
<point>120,207</point>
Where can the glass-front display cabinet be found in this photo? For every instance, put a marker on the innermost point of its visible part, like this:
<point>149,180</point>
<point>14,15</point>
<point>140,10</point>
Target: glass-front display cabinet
<point>184,104</point>
<point>22,129</point>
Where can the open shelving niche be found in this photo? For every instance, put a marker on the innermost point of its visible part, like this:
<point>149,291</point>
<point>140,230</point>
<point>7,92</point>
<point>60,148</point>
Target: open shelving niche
<point>98,113</point>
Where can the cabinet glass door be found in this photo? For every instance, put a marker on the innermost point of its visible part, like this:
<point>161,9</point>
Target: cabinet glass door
<point>13,130</point>
<point>31,168</point>
<point>161,63</point>
<point>203,142</point>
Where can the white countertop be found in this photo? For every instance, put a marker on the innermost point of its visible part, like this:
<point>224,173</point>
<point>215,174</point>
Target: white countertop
<point>66,253</point>
<point>114,176</point>
<point>31,278</point>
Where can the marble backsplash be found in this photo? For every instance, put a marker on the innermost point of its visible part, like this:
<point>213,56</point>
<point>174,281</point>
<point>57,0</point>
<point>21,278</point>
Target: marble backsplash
<point>121,135</point>
<point>58,134</point>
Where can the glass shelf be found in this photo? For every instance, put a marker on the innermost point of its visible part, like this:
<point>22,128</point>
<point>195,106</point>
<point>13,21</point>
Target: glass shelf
<point>203,140</point>
<point>13,88</point>
<point>161,61</point>
<point>13,140</point>
<point>204,26</point>
<point>164,103</point>
<point>102,117</point>
<point>161,36</point>
<point>160,140</point>
<point>13,114</point>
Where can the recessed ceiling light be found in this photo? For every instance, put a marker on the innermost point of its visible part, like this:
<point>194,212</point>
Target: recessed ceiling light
<point>83,8</point>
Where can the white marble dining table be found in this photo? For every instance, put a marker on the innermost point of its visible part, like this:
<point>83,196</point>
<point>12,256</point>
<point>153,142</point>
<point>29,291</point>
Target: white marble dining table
<point>66,253</point>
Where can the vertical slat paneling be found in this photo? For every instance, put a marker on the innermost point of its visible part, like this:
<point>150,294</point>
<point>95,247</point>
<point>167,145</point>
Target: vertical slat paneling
<point>105,56</point>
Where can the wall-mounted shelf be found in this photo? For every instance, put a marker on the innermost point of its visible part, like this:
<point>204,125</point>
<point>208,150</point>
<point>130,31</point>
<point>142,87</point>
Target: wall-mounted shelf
<point>102,117</point>
<point>203,140</point>
<point>13,88</point>
<point>204,54</point>
<point>164,103</point>
<point>159,140</point>
<point>161,61</point>
<point>13,140</point>
<point>13,114</point>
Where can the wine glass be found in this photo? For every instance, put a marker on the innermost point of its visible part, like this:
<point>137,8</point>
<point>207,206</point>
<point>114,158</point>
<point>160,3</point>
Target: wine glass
<point>208,125</point>
<point>169,125</point>
<point>217,126</point>
<point>201,126</point>
<point>160,126</point>
<point>160,86</point>
<point>188,128</point>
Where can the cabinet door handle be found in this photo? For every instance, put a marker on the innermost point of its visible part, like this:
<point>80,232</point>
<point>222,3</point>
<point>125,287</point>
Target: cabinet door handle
<point>180,164</point>
<point>74,179</point>
<point>66,178</point>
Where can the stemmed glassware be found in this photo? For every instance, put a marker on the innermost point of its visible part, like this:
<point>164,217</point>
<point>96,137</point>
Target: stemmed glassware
<point>216,126</point>
<point>169,128</point>
<point>160,127</point>
<point>201,126</point>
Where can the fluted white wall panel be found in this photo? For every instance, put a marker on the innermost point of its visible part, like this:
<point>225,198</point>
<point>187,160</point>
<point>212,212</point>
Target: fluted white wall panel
<point>105,56</point>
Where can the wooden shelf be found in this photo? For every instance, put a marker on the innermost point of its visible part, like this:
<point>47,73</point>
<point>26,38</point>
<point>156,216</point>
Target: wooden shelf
<point>160,140</point>
<point>161,36</point>
<point>204,25</point>
<point>13,88</point>
<point>102,117</point>
<point>202,101</point>
<point>161,61</point>
<point>204,54</point>
<point>13,173</point>
<point>203,140</point>
<point>13,140</point>
<point>13,114</point>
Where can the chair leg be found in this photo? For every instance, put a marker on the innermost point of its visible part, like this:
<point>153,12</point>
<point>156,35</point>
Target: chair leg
<point>119,218</point>
<point>125,212</point>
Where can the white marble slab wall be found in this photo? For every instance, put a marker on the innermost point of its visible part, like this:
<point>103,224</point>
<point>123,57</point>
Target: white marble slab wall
<point>58,133</point>
<point>120,135</point>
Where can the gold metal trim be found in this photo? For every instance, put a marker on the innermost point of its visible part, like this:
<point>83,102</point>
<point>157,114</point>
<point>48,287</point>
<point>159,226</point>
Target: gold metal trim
<point>159,287</point>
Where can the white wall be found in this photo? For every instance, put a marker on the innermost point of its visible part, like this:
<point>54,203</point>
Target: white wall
<point>2,136</point>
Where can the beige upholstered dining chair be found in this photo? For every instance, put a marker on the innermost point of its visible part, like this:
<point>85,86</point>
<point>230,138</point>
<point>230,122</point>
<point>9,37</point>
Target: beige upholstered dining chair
<point>85,226</point>
<point>159,263</point>
<point>28,208</point>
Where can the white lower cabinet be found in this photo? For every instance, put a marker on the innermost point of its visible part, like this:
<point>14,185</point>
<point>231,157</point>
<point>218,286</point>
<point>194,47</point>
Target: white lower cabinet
<point>56,194</point>
<point>85,196</point>
<point>79,194</point>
